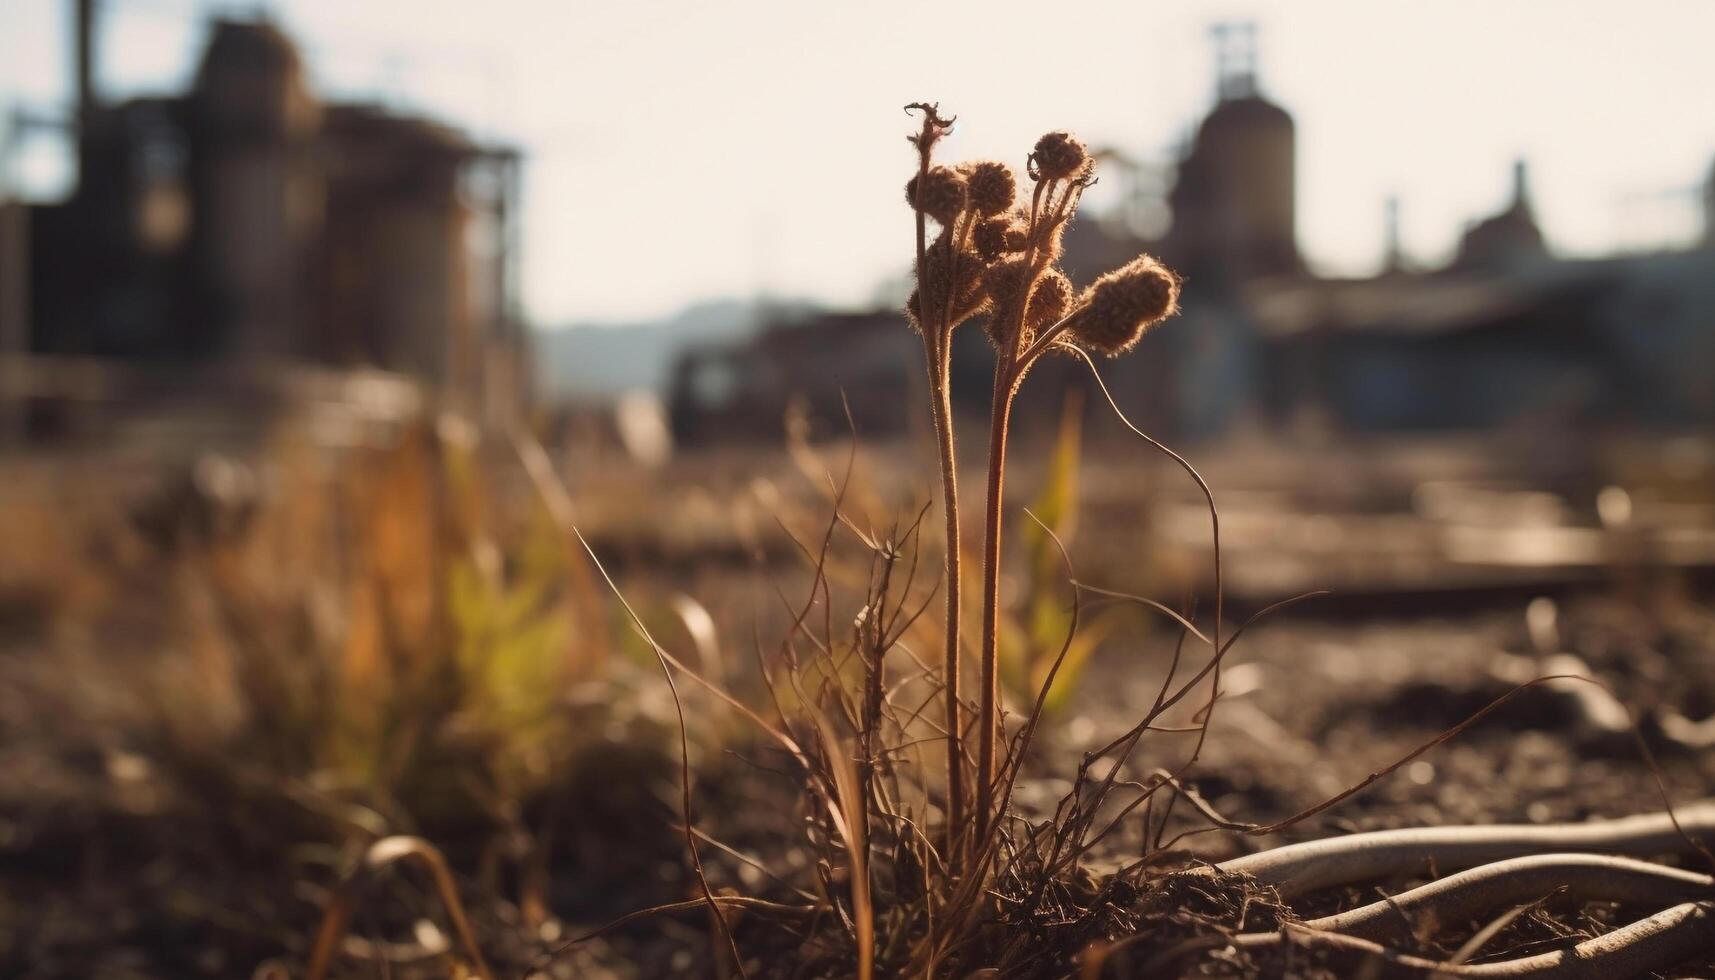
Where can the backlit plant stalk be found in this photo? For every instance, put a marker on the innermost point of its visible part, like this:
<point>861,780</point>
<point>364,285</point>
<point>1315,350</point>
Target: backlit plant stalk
<point>950,278</point>
<point>936,356</point>
<point>997,259</point>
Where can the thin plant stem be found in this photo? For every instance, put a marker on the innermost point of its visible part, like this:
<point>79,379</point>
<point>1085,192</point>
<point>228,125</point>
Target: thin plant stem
<point>937,350</point>
<point>1008,373</point>
<point>942,410</point>
<point>988,711</point>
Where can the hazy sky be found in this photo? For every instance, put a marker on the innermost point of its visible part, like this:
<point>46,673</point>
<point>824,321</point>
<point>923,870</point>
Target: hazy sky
<point>685,150</point>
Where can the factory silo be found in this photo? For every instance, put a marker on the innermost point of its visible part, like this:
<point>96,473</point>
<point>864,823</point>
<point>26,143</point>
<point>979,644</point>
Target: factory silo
<point>255,187</point>
<point>1234,201</point>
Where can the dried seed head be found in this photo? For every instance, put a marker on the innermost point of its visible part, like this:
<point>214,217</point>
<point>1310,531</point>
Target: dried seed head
<point>934,127</point>
<point>1046,236</point>
<point>996,236</point>
<point>1120,306</point>
<point>942,196</point>
<point>940,268</point>
<point>1059,156</point>
<point>1049,302</point>
<point>1004,280</point>
<point>992,186</point>
<point>1004,284</point>
<point>1049,246</point>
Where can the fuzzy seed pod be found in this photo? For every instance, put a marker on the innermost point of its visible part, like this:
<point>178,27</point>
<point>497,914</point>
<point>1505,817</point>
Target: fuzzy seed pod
<point>1004,284</point>
<point>997,236</point>
<point>939,268</point>
<point>1049,246</point>
<point>1049,302</point>
<point>1119,307</point>
<point>1059,156</point>
<point>943,195</point>
<point>1047,237</point>
<point>914,310</point>
<point>992,186</point>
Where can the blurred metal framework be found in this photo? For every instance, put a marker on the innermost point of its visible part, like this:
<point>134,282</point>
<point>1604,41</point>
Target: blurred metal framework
<point>246,227</point>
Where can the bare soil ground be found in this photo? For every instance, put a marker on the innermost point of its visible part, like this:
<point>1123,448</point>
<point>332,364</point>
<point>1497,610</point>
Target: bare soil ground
<point>115,862</point>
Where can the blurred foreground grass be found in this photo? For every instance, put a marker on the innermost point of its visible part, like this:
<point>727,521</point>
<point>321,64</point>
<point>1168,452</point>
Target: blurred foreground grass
<point>223,680</point>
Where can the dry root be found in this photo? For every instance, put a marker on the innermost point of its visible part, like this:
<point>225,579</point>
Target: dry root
<point>1510,866</point>
<point>1470,895</point>
<point>1297,869</point>
<point>1668,937</point>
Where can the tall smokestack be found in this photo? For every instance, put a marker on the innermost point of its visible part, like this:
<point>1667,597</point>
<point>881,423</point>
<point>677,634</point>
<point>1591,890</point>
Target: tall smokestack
<point>1393,259</point>
<point>84,38</point>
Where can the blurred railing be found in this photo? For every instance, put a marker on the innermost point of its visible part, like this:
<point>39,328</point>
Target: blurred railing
<point>49,402</point>
<point>1454,536</point>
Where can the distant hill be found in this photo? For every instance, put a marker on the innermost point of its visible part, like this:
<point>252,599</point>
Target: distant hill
<point>595,359</point>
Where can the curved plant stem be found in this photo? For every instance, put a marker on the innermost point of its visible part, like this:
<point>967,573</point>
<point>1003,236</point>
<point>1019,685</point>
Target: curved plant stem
<point>988,709</point>
<point>1215,645</point>
<point>391,850</point>
<point>942,410</point>
<point>723,927</point>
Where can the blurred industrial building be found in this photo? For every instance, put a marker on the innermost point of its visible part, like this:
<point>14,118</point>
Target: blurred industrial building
<point>244,245</point>
<point>1506,334</point>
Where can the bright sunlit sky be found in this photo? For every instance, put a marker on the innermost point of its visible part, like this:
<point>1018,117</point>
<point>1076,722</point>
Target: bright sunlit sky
<point>680,151</point>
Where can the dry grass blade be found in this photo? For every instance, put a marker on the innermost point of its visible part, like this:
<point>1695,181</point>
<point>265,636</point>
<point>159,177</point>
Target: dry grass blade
<point>751,861</point>
<point>723,926</point>
<point>547,484</point>
<point>725,901</point>
<point>1202,484</point>
<point>1453,732</point>
<point>852,808</point>
<point>1016,763</point>
<point>1490,930</point>
<point>700,627</point>
<point>1145,601</point>
<point>387,851</point>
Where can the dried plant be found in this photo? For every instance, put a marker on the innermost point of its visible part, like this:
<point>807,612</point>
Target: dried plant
<point>935,322</point>
<point>990,258</point>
